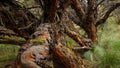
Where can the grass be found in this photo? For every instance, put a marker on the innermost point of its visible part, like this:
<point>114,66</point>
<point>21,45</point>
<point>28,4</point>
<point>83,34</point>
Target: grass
<point>110,59</point>
<point>106,54</point>
<point>110,42</point>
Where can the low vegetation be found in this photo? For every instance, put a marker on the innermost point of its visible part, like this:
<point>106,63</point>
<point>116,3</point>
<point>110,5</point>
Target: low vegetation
<point>106,54</point>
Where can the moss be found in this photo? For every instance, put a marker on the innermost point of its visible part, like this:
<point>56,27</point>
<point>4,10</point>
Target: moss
<point>7,53</point>
<point>38,40</point>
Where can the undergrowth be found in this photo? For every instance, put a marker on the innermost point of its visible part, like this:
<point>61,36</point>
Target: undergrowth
<point>106,54</point>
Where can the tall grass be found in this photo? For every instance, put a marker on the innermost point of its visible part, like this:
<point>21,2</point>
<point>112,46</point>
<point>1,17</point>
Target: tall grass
<point>106,54</point>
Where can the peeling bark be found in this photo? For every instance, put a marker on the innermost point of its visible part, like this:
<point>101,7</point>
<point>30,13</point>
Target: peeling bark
<point>63,57</point>
<point>54,13</point>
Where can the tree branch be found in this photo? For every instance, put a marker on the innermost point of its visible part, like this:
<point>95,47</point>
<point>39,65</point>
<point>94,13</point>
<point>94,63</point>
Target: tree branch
<point>90,11</point>
<point>79,39</point>
<point>111,9</point>
<point>78,9</point>
<point>99,4</point>
<point>73,18</point>
<point>11,41</point>
<point>52,11</point>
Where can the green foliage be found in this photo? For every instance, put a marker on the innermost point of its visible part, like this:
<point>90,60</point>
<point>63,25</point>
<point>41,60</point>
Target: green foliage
<point>110,59</point>
<point>7,53</point>
<point>70,42</point>
<point>89,55</point>
<point>103,58</point>
<point>106,54</point>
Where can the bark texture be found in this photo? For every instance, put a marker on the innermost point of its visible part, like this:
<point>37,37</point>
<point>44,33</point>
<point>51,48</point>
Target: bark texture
<point>52,28</point>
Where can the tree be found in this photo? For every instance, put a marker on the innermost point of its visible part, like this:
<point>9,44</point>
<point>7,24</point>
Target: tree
<point>60,16</point>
